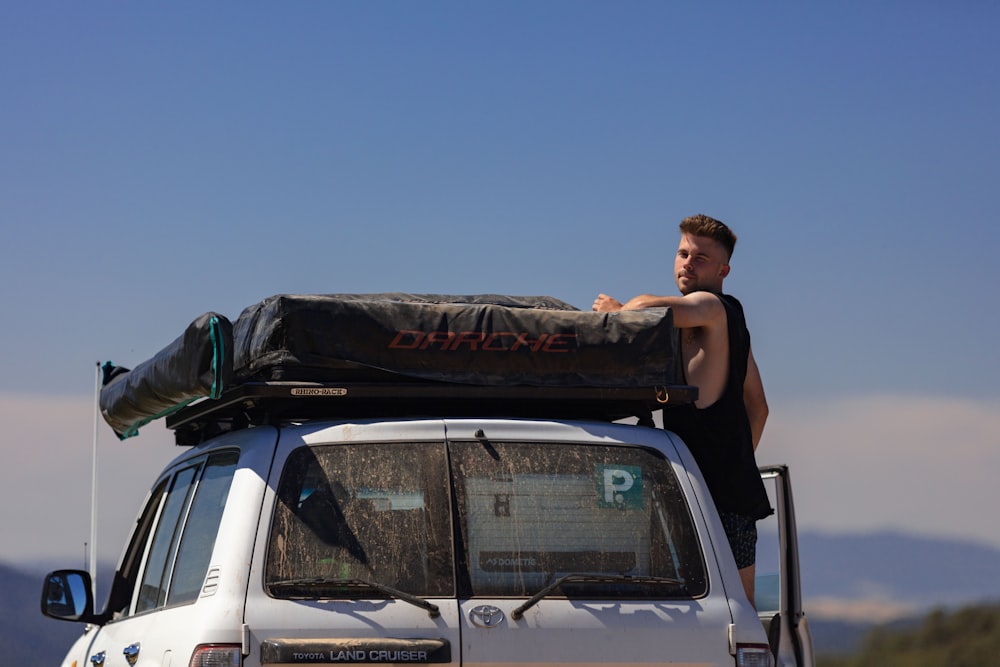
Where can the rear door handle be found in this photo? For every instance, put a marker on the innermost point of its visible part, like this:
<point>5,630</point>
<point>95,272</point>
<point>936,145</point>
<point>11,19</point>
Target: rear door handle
<point>131,653</point>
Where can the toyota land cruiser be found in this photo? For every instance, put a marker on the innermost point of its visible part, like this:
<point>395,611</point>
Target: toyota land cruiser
<point>436,485</point>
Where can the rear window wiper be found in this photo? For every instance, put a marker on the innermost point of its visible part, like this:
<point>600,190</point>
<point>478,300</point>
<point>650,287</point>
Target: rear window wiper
<point>594,579</point>
<point>333,582</point>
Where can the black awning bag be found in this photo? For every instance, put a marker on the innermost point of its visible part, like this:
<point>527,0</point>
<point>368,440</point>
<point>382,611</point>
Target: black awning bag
<point>477,339</point>
<point>196,365</point>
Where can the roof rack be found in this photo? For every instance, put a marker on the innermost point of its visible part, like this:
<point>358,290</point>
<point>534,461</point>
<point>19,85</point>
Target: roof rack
<point>276,402</point>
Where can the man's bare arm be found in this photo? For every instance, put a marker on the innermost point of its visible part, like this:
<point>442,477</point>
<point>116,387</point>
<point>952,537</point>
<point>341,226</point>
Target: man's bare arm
<point>698,309</point>
<point>754,400</point>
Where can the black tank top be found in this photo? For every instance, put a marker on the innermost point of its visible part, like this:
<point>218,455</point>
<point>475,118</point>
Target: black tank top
<point>719,435</point>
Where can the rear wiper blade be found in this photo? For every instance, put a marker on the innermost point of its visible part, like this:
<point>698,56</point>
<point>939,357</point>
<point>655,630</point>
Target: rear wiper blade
<point>592,579</point>
<point>431,608</point>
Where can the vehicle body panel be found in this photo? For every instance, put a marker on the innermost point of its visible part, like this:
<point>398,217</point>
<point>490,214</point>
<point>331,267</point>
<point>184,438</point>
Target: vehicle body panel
<point>235,607</point>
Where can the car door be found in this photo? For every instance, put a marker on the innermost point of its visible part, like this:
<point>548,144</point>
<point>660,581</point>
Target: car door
<point>778,596</point>
<point>579,552</point>
<point>165,565</point>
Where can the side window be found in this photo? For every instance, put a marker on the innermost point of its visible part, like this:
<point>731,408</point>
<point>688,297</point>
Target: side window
<point>120,596</point>
<point>153,589</point>
<point>767,587</point>
<point>200,529</point>
<point>184,535</point>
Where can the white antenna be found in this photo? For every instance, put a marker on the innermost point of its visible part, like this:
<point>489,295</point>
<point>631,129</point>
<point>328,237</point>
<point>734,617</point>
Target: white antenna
<point>93,484</point>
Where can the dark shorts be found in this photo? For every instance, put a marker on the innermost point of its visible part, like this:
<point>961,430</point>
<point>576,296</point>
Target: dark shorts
<point>742,534</point>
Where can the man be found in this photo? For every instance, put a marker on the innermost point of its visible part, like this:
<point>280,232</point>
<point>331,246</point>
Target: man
<point>722,428</point>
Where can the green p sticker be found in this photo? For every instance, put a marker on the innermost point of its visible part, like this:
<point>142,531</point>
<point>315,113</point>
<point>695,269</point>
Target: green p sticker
<point>619,486</point>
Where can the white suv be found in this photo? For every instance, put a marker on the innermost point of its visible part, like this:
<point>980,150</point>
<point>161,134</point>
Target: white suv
<point>333,523</point>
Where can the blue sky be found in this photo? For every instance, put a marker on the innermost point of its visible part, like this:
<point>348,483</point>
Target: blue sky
<point>159,162</point>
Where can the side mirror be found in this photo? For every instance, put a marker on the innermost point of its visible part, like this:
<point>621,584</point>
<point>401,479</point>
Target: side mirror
<point>68,595</point>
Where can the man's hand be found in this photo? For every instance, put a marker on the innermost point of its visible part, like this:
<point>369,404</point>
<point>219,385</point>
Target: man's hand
<point>606,304</point>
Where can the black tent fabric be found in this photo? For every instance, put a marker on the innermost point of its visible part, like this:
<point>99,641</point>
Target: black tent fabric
<point>487,339</point>
<point>197,364</point>
<point>479,339</point>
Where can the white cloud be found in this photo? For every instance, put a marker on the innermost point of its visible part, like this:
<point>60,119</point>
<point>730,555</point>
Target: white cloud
<point>920,465</point>
<point>45,488</point>
<point>864,610</point>
<point>925,465</point>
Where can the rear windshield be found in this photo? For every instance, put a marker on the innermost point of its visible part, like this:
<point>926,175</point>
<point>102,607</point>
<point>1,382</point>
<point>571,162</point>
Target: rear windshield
<point>375,513</point>
<point>532,513</point>
<point>609,521</point>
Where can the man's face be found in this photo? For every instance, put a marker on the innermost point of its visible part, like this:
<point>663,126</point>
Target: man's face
<point>701,264</point>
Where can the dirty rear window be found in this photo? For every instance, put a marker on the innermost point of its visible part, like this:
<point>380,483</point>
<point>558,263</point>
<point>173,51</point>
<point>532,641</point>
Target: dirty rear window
<point>362,513</point>
<point>527,515</point>
<point>534,513</point>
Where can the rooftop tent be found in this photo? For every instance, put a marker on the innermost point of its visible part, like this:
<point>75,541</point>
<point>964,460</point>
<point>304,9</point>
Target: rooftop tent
<point>472,345</point>
<point>476,340</point>
<point>198,364</point>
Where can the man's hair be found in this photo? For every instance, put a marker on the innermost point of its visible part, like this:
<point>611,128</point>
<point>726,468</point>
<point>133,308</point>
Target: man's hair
<point>702,225</point>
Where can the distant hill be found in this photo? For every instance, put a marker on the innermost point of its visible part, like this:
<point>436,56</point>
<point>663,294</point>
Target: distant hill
<point>850,583</point>
<point>967,636</point>
<point>917,572</point>
<point>28,638</point>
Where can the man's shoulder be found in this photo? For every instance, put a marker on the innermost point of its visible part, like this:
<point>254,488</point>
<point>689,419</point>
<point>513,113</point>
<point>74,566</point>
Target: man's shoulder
<point>711,297</point>
<point>729,309</point>
<point>708,310</point>
<point>726,297</point>
<point>717,293</point>
<point>729,301</point>
<point>736,319</point>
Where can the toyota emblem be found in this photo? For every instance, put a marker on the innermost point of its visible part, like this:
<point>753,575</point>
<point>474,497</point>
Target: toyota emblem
<point>486,616</point>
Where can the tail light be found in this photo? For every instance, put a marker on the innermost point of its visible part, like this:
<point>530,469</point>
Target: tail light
<point>754,655</point>
<point>217,655</point>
